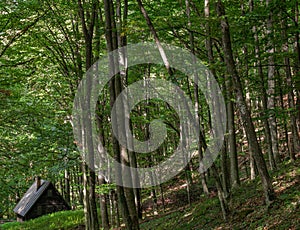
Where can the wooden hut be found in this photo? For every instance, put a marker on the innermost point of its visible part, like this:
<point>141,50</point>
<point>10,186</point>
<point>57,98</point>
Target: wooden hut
<point>40,199</point>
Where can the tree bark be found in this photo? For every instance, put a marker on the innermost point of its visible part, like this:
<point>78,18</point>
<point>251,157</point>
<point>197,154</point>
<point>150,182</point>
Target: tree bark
<point>264,99</point>
<point>90,196</point>
<point>196,88</point>
<point>242,106</point>
<point>125,195</point>
<point>271,90</point>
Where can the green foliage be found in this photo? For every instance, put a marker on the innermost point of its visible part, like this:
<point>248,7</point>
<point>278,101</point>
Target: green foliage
<point>105,188</point>
<point>42,60</point>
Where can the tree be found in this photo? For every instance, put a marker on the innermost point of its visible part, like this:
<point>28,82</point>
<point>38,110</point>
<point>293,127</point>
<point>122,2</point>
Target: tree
<point>242,106</point>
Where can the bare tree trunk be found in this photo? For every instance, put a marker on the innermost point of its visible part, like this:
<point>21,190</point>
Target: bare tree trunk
<point>231,137</point>
<point>293,143</point>
<point>244,111</point>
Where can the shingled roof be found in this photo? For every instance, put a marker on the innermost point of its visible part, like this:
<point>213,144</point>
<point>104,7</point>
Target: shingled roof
<point>30,198</point>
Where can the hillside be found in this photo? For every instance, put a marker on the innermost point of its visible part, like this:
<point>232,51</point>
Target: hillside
<point>248,210</point>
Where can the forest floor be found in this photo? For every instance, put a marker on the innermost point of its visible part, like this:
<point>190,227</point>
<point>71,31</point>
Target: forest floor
<point>248,210</point>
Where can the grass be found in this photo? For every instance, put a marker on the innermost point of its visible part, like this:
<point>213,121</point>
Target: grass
<point>64,220</point>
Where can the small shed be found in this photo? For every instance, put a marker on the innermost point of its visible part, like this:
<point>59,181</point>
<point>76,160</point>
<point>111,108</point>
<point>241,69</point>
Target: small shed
<point>40,199</point>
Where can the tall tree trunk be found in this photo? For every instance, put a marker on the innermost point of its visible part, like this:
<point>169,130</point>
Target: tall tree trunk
<point>267,131</point>
<point>90,197</point>
<point>271,89</point>
<point>244,111</point>
<point>231,139</point>
<point>196,92</point>
<point>222,197</point>
<point>297,66</point>
<point>122,40</point>
<point>296,85</point>
<point>125,155</point>
<point>294,142</point>
<point>125,195</point>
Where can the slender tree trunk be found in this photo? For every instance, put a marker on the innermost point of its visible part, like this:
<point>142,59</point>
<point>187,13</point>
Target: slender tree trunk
<point>297,68</point>
<point>67,186</point>
<point>222,198</point>
<point>231,140</point>
<point>294,143</point>
<point>156,38</point>
<point>267,131</point>
<point>90,197</point>
<point>86,203</point>
<point>271,89</point>
<point>242,106</point>
<point>103,206</point>
<point>187,170</point>
<point>196,96</point>
<point>80,182</point>
<point>102,197</point>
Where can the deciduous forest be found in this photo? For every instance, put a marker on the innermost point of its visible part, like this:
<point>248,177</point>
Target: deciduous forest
<point>251,49</point>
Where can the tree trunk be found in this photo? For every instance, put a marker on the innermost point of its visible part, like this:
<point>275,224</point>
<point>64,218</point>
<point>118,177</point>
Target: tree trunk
<point>125,195</point>
<point>222,198</point>
<point>267,131</point>
<point>67,186</point>
<point>271,90</point>
<point>231,140</point>
<point>297,67</point>
<point>196,93</point>
<point>86,203</point>
<point>90,197</point>
<point>244,111</point>
<point>101,178</point>
<point>293,143</point>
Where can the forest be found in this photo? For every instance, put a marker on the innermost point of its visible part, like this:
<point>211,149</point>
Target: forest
<point>145,114</point>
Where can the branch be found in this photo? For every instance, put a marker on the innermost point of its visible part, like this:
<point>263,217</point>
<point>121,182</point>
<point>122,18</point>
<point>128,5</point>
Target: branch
<point>18,35</point>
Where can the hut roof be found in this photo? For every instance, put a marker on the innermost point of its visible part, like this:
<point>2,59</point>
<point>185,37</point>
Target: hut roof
<point>30,198</point>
